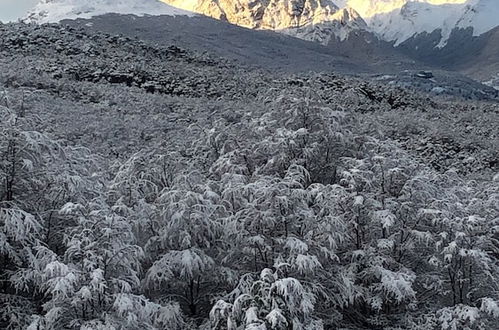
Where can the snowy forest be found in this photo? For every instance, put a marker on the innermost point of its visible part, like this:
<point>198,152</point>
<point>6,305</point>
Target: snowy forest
<point>150,187</point>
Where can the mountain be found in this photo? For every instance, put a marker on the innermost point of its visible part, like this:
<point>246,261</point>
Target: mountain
<point>424,17</point>
<point>321,20</point>
<point>316,20</point>
<point>255,48</point>
<point>359,35</point>
<point>395,21</point>
<point>415,18</point>
<point>263,14</point>
<point>439,33</point>
<point>483,64</point>
<point>276,52</point>
<point>50,11</point>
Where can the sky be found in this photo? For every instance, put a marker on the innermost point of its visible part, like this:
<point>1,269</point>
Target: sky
<point>11,10</point>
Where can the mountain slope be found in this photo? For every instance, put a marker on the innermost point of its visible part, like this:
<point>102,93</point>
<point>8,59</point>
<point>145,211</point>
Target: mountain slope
<point>415,17</point>
<point>258,48</point>
<point>474,56</point>
<point>438,33</point>
<point>482,16</point>
<point>483,64</point>
<point>49,11</point>
<point>274,51</point>
<point>316,20</point>
<point>323,20</point>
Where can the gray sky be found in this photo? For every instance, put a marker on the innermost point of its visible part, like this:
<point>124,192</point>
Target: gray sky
<point>11,10</point>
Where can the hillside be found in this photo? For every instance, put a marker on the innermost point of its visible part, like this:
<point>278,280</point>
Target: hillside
<point>149,185</point>
<point>359,36</point>
<point>484,64</point>
<point>474,56</point>
<point>255,48</point>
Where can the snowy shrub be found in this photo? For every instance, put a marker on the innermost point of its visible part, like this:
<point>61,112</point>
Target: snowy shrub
<point>266,302</point>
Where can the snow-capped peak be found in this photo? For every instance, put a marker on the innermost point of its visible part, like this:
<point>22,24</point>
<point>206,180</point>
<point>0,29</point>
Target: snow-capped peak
<point>370,8</point>
<point>50,11</point>
<point>399,20</point>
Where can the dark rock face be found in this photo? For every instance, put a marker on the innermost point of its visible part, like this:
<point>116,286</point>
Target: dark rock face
<point>476,56</point>
<point>460,48</point>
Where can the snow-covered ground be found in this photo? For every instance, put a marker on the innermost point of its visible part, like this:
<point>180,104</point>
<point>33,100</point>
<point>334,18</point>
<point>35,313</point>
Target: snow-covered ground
<point>494,82</point>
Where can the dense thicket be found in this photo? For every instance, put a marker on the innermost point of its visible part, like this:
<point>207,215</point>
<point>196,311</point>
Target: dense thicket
<point>281,206</point>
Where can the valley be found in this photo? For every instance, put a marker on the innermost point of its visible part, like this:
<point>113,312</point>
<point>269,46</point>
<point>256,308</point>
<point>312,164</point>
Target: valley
<point>161,169</point>
<point>356,35</point>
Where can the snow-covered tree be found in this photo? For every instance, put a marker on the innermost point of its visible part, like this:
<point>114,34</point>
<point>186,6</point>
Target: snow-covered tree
<point>266,301</point>
<point>37,176</point>
<point>97,282</point>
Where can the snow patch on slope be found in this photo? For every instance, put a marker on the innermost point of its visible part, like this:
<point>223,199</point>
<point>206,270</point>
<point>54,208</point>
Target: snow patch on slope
<point>370,8</point>
<point>493,82</point>
<point>52,11</point>
<point>482,15</point>
<point>416,18</point>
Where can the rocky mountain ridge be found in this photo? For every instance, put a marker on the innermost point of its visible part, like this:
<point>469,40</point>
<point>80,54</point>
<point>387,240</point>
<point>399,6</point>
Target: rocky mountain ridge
<point>391,20</point>
<point>316,20</point>
<point>395,21</point>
